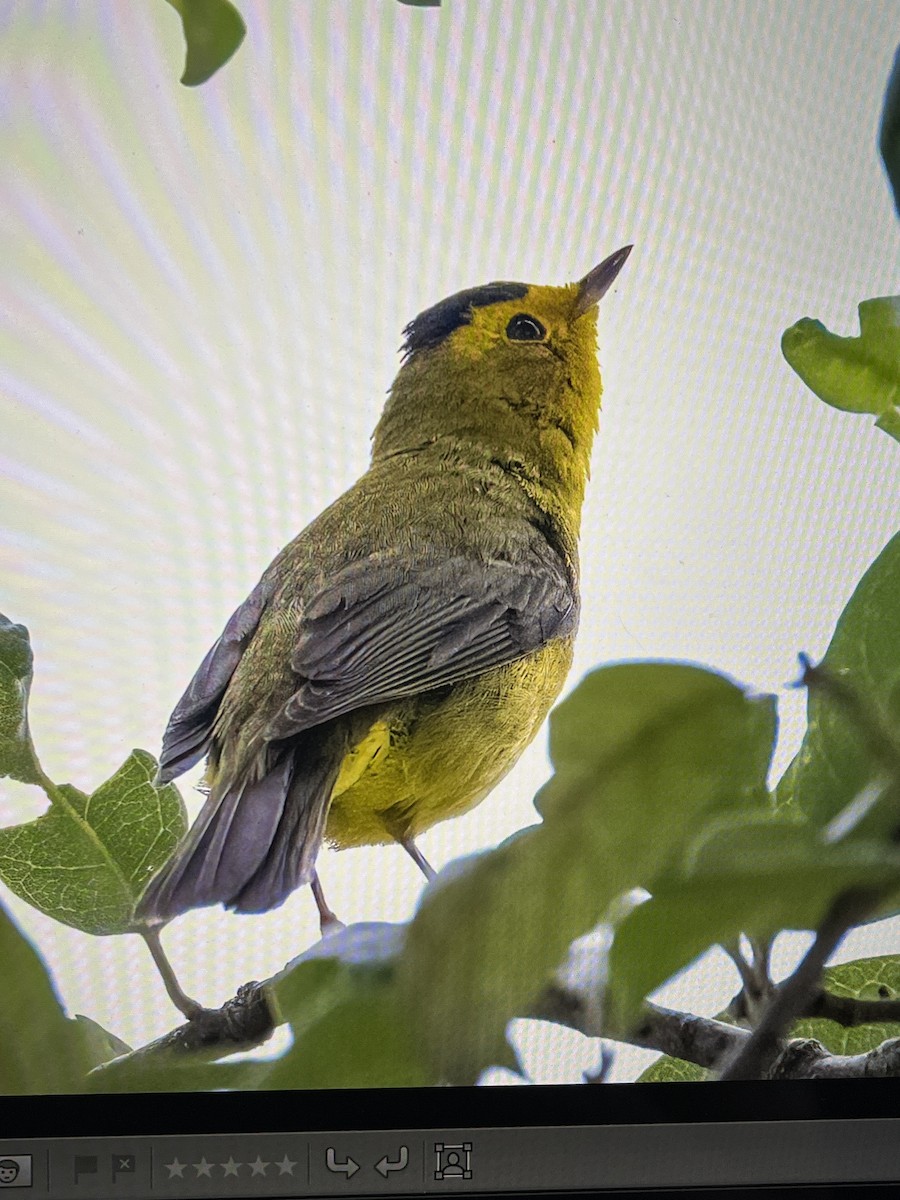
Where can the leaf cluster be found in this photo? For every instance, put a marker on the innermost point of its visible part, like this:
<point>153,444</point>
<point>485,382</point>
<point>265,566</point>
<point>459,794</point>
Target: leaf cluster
<point>860,374</point>
<point>84,862</point>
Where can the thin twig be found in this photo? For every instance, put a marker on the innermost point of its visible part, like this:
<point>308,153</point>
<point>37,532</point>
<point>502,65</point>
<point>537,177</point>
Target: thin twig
<point>762,954</point>
<point>751,1001</point>
<point>756,1059</point>
<point>744,969</point>
<point>600,1074</point>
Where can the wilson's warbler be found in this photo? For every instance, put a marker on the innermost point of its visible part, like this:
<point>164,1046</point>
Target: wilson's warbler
<point>399,655</point>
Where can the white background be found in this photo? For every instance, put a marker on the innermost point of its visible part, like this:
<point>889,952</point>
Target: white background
<point>201,297</point>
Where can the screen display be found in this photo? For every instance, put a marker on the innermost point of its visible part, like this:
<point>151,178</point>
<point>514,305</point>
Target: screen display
<point>212,294</point>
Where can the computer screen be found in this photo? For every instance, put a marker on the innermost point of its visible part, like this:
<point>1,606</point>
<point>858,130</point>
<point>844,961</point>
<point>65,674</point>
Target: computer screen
<point>450,639</point>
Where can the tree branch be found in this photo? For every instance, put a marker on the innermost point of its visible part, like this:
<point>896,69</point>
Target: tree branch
<point>707,1042</point>
<point>247,1020</point>
<point>805,1058</point>
<point>242,1023</point>
<point>700,1040</point>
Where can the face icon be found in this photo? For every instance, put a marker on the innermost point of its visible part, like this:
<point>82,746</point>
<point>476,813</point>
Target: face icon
<point>8,1170</point>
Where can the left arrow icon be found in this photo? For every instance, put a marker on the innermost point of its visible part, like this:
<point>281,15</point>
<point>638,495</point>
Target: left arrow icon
<point>385,1165</point>
<point>348,1167</point>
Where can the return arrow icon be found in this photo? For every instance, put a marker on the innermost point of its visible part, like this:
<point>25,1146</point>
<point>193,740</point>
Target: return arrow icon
<point>385,1165</point>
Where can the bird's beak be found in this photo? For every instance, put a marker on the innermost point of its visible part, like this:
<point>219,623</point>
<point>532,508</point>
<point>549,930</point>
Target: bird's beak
<point>597,283</point>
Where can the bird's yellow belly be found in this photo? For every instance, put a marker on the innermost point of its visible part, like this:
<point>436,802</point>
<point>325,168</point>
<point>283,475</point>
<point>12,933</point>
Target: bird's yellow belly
<point>438,755</point>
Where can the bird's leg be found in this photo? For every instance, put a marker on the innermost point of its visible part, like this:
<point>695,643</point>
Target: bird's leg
<point>418,858</point>
<point>179,998</point>
<point>327,919</point>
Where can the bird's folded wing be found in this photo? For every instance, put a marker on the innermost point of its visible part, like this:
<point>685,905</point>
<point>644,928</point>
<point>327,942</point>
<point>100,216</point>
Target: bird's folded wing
<point>189,730</point>
<point>382,630</point>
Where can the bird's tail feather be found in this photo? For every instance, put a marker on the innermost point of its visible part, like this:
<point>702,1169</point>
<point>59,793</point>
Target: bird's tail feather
<point>252,844</point>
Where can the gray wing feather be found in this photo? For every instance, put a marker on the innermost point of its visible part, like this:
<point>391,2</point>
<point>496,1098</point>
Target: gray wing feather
<point>377,635</point>
<point>226,845</point>
<point>253,845</point>
<point>189,731</point>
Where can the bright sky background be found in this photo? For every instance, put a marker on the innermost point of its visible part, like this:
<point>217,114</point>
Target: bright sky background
<point>201,299</point>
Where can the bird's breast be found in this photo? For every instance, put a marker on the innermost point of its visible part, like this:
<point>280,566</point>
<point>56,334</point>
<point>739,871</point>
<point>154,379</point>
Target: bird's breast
<point>437,755</point>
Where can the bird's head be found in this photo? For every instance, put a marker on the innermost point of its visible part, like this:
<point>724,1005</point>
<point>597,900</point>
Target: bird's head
<point>510,366</point>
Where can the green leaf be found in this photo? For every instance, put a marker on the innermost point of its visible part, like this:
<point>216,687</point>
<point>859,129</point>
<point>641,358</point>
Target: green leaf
<point>348,1021</point>
<point>100,1045</point>
<point>86,861</point>
<point>304,993</point>
<point>41,1050</point>
<point>176,1072</point>
<point>362,1040</point>
<point>758,880</point>
<point>213,30</point>
<point>366,943</point>
<point>641,752</point>
<point>864,979</point>
<point>889,133</point>
<point>832,766</point>
<point>673,1070</point>
<point>853,374</point>
<point>17,757</point>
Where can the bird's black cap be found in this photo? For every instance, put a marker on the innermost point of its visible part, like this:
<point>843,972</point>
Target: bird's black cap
<point>434,324</point>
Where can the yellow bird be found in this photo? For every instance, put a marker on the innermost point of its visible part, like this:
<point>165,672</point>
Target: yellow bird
<point>397,657</point>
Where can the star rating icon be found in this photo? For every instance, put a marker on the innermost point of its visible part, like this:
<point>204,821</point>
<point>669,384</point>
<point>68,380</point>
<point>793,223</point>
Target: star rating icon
<point>286,1166</point>
<point>204,1168</point>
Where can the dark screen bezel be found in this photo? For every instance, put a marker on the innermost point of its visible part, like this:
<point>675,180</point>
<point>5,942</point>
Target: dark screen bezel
<point>447,1108</point>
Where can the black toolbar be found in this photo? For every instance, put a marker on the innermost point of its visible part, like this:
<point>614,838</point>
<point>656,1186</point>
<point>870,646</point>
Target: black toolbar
<point>451,1161</point>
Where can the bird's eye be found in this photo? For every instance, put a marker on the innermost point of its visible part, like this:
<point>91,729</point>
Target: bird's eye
<point>523,328</point>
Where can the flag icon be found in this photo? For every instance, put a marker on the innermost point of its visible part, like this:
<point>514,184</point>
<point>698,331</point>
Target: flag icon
<point>85,1164</point>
